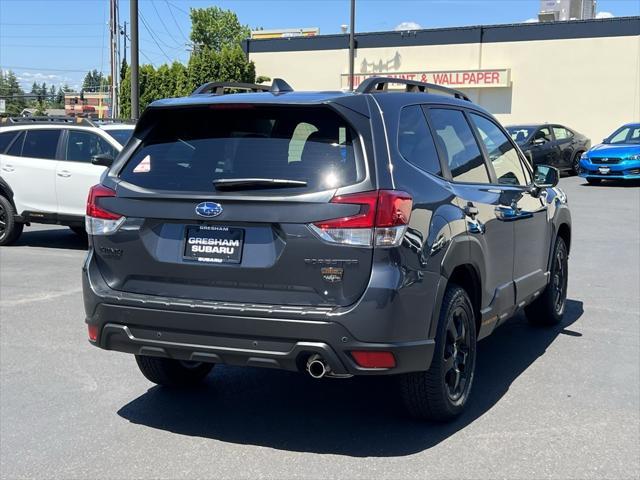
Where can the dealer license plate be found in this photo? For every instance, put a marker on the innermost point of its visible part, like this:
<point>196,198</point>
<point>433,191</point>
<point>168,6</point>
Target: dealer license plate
<point>213,244</point>
<point>604,170</point>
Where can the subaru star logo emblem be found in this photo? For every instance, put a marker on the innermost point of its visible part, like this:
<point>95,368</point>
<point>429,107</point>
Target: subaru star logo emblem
<point>208,209</point>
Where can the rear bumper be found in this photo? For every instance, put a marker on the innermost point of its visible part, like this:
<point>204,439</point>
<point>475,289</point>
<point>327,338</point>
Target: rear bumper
<point>154,326</point>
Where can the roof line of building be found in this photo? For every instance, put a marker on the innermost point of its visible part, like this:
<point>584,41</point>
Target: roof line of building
<point>519,32</point>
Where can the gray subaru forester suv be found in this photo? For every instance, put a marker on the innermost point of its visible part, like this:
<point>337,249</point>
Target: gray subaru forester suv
<point>377,232</point>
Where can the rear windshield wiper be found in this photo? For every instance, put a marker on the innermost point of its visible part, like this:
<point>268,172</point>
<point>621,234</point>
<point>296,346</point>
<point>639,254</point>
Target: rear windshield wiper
<point>241,183</point>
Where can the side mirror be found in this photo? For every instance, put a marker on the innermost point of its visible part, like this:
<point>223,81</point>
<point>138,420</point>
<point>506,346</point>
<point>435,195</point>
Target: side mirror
<point>103,159</point>
<point>545,176</point>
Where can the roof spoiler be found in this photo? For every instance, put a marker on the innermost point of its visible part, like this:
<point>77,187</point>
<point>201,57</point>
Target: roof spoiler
<point>221,88</point>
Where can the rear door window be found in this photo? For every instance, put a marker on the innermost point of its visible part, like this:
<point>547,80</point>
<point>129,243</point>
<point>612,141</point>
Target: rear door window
<point>41,144</point>
<point>458,145</point>
<point>16,147</point>
<point>188,149</point>
<point>81,146</point>
<point>5,139</point>
<point>561,133</point>
<point>415,141</point>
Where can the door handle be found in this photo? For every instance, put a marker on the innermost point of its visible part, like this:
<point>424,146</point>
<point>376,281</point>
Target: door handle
<point>510,213</point>
<point>64,173</point>
<point>8,168</point>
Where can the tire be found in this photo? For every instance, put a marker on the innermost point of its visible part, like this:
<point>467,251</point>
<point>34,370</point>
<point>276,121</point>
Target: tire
<point>575,165</point>
<point>80,231</point>
<point>548,308</point>
<point>10,230</point>
<point>172,373</point>
<point>441,393</point>
<point>594,181</point>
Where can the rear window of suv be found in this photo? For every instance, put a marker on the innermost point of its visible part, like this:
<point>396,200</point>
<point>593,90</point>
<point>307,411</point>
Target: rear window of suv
<point>188,149</point>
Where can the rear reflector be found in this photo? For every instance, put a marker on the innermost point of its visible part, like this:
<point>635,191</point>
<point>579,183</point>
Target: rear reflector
<point>93,333</point>
<point>381,221</point>
<point>374,359</point>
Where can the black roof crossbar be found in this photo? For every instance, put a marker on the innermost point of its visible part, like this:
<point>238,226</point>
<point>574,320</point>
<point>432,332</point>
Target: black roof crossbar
<point>52,119</point>
<point>84,121</point>
<point>380,84</point>
<point>220,88</point>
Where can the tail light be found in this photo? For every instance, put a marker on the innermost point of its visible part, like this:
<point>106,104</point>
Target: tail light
<point>381,221</point>
<point>99,221</point>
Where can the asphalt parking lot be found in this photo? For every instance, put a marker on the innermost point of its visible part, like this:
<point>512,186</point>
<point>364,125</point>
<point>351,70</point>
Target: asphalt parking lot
<point>558,403</point>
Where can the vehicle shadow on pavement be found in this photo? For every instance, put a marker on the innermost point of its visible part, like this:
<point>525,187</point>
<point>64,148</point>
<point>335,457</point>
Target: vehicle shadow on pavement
<point>62,238</point>
<point>358,417</point>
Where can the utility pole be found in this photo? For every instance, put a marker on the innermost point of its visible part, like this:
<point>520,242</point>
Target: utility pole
<point>352,43</point>
<point>114,32</point>
<point>135,86</point>
<point>124,33</point>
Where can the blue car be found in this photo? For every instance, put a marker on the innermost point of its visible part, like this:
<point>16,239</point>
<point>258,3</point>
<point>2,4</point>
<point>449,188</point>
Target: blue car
<point>617,157</point>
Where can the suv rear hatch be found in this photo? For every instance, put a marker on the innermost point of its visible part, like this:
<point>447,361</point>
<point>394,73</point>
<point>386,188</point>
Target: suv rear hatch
<point>218,202</point>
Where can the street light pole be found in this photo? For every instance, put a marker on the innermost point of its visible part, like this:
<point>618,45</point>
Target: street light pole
<point>135,86</point>
<point>352,43</point>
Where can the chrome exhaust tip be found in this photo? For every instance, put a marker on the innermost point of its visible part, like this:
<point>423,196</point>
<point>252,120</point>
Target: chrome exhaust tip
<point>317,367</point>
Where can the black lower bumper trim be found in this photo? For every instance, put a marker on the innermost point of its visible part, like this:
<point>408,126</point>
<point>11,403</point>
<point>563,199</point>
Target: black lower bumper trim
<point>257,342</point>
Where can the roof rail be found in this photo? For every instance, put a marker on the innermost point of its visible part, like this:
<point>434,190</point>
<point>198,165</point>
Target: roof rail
<point>52,119</point>
<point>220,88</point>
<point>103,121</point>
<point>380,84</point>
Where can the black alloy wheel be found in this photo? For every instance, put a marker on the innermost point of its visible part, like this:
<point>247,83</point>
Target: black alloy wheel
<point>456,353</point>
<point>3,221</point>
<point>559,280</point>
<point>10,230</point>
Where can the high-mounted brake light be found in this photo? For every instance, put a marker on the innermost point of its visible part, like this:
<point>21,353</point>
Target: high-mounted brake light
<point>381,221</point>
<point>99,221</point>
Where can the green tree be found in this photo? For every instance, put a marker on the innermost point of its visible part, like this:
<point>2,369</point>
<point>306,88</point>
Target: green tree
<point>123,69</point>
<point>60,97</point>
<point>217,34</point>
<point>93,80</point>
<point>215,28</point>
<point>12,93</point>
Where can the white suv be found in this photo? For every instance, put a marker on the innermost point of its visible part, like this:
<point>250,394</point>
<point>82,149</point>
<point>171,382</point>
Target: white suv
<point>47,167</point>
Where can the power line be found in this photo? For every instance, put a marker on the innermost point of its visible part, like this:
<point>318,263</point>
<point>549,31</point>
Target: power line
<point>175,20</point>
<point>179,8</point>
<point>153,4</point>
<point>52,36</point>
<point>144,23</point>
<point>51,46</point>
<point>157,37</point>
<point>56,24</point>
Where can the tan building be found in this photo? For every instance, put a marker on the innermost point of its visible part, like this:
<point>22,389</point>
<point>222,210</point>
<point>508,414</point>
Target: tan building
<point>88,104</point>
<point>585,74</point>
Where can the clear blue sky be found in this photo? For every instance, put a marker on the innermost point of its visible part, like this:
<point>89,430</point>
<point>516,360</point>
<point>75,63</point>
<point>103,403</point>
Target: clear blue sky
<point>57,41</point>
